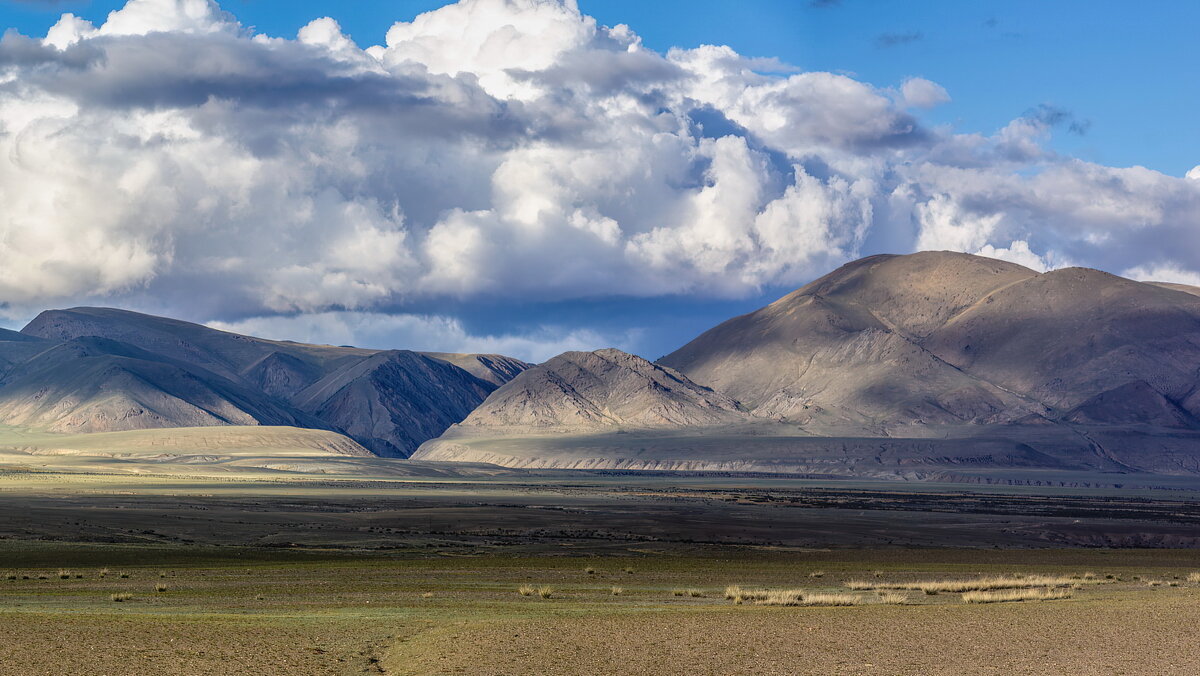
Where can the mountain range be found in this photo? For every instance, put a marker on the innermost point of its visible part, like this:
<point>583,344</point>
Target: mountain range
<point>894,365</point>
<point>104,370</point>
<point>891,366</point>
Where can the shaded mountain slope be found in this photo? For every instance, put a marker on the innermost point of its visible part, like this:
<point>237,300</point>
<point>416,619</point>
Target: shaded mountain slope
<point>393,401</point>
<point>99,385</point>
<point>398,400</point>
<point>497,369</point>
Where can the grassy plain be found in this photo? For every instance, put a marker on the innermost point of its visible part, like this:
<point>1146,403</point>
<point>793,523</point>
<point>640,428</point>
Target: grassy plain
<point>213,567</point>
<point>237,610</point>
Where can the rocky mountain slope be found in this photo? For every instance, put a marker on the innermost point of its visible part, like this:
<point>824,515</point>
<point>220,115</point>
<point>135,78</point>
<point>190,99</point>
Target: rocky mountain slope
<point>603,389</point>
<point>946,338</point>
<point>101,369</point>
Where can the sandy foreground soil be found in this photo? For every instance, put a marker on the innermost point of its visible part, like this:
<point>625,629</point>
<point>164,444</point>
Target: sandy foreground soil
<point>1146,634</point>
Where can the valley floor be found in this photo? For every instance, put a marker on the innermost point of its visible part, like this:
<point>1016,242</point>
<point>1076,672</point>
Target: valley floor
<point>282,573</point>
<point>239,611</point>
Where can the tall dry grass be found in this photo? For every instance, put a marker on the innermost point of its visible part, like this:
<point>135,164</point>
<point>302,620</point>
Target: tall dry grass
<point>1015,595</point>
<point>978,584</point>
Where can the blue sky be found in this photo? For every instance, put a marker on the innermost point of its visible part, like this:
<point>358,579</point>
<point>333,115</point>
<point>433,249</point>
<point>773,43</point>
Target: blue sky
<point>1050,104</point>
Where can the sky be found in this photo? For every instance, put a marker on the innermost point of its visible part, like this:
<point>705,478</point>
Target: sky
<point>531,176</point>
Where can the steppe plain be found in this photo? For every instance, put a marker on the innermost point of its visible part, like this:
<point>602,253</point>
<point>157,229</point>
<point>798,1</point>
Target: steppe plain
<point>303,562</point>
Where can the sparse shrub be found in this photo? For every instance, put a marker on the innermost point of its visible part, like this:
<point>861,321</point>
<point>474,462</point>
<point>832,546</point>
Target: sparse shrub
<point>1109,577</point>
<point>10,576</point>
<point>121,597</point>
<point>103,572</point>
<point>124,576</point>
<point>545,592</point>
<point>930,592</point>
<point>64,574</point>
<point>160,587</point>
<point>162,573</point>
<point>43,576</point>
<point>629,571</point>
<point>1015,595</point>
<point>260,597</point>
<point>617,591</point>
<point>590,570</point>
<point>893,599</point>
<point>526,590</point>
<point>678,592</point>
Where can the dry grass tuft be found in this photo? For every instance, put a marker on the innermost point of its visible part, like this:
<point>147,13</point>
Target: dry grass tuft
<point>861,585</point>
<point>893,599</point>
<point>590,570</point>
<point>628,571</point>
<point>160,587</point>
<point>64,574</point>
<point>121,597</point>
<point>817,573</point>
<point>796,597</point>
<point>1193,577</point>
<point>1154,583</point>
<point>10,576</point>
<point>1015,595</point>
<point>103,572</point>
<point>526,590</point>
<point>426,595</point>
<point>695,593</point>
<point>545,592</point>
<point>617,591</point>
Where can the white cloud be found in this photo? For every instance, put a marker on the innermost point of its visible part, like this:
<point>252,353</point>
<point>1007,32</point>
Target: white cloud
<point>429,333</point>
<point>921,93</point>
<point>1163,272</point>
<point>501,149</point>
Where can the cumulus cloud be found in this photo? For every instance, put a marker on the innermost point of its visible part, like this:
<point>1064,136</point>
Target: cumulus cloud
<point>499,150</point>
<point>921,93</point>
<point>430,333</point>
